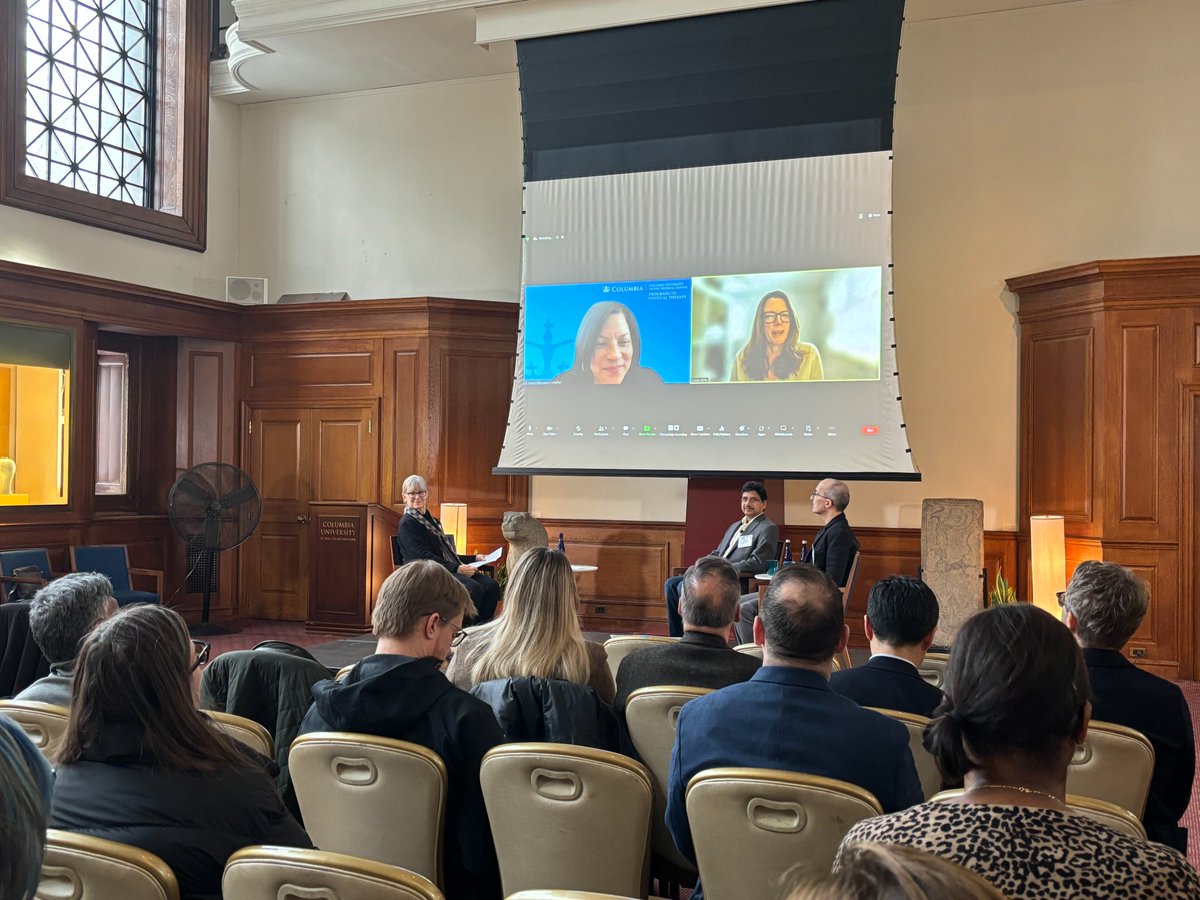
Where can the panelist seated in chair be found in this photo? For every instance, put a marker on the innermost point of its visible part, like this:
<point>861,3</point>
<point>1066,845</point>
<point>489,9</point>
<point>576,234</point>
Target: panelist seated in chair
<point>901,620</point>
<point>708,605</point>
<point>787,717</point>
<point>61,615</point>
<point>832,550</point>
<point>422,537</point>
<point>400,692</point>
<point>1104,604</point>
<point>1017,707</point>
<point>749,544</point>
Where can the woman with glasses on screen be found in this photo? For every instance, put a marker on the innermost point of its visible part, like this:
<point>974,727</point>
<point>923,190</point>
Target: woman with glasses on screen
<point>774,351</point>
<point>608,349</point>
<point>139,763</point>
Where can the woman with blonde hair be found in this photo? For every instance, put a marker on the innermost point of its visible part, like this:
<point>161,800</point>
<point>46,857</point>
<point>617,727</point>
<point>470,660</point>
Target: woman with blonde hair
<point>538,634</point>
<point>870,871</point>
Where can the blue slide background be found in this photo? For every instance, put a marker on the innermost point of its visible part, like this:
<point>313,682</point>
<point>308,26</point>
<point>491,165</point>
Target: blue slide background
<point>663,312</point>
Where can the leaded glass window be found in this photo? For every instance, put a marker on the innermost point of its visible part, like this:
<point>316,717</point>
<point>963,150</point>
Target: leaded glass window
<point>89,98</point>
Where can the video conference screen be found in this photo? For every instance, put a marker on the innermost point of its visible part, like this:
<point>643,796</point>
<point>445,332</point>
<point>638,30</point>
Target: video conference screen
<point>710,320</point>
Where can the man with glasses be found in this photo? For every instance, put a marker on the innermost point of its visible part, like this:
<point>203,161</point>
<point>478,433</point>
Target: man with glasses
<point>399,692</point>
<point>748,544</point>
<point>832,550</point>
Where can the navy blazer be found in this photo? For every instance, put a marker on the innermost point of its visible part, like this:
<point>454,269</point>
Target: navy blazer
<point>1125,695</point>
<point>888,683</point>
<point>787,718</point>
<point>833,549</point>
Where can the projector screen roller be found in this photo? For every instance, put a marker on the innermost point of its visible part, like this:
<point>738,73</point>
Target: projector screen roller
<point>710,320</point>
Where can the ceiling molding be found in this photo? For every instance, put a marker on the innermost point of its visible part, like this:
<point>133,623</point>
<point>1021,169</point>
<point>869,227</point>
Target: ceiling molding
<point>271,18</point>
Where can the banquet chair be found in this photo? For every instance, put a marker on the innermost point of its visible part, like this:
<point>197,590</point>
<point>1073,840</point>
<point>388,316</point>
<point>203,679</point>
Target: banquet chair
<point>933,668</point>
<point>287,873</point>
<point>927,770</point>
<point>569,818</point>
<point>619,646</point>
<point>1114,763</point>
<point>43,723</point>
<point>749,826</point>
<point>348,784</point>
<point>245,731</point>
<point>81,866</point>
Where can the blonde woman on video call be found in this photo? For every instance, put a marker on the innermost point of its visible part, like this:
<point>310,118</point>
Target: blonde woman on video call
<point>774,351</point>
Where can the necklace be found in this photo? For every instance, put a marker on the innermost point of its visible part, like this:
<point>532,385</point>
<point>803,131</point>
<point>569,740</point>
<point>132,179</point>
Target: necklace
<point>1014,787</point>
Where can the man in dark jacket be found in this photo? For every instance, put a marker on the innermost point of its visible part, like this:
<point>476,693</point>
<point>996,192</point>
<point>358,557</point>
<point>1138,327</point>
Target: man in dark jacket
<point>708,605</point>
<point>1103,605</point>
<point>399,692</point>
<point>902,616</point>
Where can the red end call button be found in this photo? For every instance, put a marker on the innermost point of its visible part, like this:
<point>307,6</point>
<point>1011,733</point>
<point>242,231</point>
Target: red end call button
<point>870,429</point>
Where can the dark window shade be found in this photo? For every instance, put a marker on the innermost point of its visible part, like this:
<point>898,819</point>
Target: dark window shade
<point>805,79</point>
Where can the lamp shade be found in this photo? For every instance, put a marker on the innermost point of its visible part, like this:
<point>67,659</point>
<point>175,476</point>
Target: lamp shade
<point>454,521</point>
<point>1048,549</point>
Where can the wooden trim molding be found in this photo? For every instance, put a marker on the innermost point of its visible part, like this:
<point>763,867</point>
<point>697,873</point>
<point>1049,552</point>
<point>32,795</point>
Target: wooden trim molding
<point>180,216</point>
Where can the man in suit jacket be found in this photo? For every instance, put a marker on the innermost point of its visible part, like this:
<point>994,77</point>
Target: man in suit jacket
<point>1103,605</point>
<point>748,544</point>
<point>702,657</point>
<point>787,717</point>
<point>902,616</point>
<point>832,549</point>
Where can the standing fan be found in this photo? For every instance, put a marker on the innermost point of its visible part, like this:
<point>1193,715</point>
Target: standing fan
<point>213,507</point>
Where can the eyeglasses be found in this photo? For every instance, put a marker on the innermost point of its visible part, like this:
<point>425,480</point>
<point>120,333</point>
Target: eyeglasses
<point>459,634</point>
<point>814,495</point>
<point>772,318</point>
<point>203,649</point>
<point>416,493</point>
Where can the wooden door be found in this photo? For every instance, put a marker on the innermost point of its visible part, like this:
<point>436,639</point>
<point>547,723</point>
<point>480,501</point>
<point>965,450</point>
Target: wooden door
<point>298,454</point>
<point>275,559</point>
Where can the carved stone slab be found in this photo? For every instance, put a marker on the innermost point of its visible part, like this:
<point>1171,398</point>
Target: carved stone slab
<point>952,560</point>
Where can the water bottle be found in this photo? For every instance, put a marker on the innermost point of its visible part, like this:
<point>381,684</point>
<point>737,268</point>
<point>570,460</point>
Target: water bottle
<point>562,547</point>
<point>803,551</point>
<point>787,553</point>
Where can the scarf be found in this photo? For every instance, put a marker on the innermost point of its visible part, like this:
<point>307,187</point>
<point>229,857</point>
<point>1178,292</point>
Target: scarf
<point>434,527</point>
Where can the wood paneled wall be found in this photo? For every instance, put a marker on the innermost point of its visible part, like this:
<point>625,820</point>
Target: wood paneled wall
<point>1110,409</point>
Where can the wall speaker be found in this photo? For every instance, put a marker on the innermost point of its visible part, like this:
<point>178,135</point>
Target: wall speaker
<point>245,290</point>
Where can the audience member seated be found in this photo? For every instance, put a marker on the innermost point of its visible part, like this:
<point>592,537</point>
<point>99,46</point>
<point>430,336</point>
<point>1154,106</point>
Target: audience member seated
<point>141,765</point>
<point>902,616</point>
<point>421,537</point>
<point>749,544</point>
<point>787,717</point>
<point>538,634</point>
<point>832,550</point>
<point>1104,605</point>
<point>870,871</point>
<point>61,615</point>
<point>21,659</point>
<point>25,788</point>
<point>1016,706</point>
<point>399,692</point>
<point>708,605</point>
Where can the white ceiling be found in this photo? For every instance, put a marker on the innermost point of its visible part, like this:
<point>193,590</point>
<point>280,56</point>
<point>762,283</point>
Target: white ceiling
<point>284,49</point>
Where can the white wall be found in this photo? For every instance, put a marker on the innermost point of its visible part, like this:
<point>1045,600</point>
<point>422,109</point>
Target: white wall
<point>402,192</point>
<point>39,240</point>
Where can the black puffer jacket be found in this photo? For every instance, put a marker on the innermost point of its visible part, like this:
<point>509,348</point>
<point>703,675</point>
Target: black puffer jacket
<point>194,821</point>
<point>550,709</point>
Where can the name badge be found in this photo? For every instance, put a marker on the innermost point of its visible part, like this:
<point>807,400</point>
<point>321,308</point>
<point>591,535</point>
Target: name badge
<point>746,540</point>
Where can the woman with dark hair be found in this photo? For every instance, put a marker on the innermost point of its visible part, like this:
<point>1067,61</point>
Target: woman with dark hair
<point>774,351</point>
<point>141,765</point>
<point>25,787</point>
<point>1017,704</point>
<point>608,349</point>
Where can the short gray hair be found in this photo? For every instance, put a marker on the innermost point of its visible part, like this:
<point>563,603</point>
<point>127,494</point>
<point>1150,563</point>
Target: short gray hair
<point>838,494</point>
<point>414,483</point>
<point>65,611</point>
<point>710,594</point>
<point>1108,603</point>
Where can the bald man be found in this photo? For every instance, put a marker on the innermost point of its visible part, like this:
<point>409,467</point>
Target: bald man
<point>832,550</point>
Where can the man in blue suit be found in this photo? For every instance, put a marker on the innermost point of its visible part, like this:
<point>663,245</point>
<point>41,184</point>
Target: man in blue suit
<point>1104,605</point>
<point>902,616</point>
<point>787,717</point>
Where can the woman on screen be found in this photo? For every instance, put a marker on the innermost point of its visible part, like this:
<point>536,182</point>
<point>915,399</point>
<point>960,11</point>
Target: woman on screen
<point>608,349</point>
<point>774,351</point>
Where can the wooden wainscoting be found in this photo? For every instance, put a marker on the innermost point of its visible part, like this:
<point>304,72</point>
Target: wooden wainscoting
<point>625,595</point>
